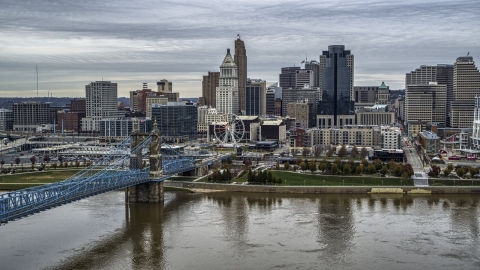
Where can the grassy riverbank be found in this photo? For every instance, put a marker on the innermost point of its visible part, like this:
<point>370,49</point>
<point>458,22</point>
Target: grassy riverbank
<point>300,179</point>
<point>31,179</point>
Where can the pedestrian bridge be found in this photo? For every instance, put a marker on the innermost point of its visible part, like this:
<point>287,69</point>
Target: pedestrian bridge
<point>111,172</point>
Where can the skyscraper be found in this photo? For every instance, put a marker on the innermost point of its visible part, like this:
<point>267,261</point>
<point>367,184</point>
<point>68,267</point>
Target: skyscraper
<point>227,91</point>
<point>314,66</point>
<point>287,77</point>
<point>241,62</point>
<point>209,87</point>
<point>336,105</point>
<point>441,74</point>
<point>426,102</point>
<point>255,97</point>
<point>101,102</point>
<point>466,86</point>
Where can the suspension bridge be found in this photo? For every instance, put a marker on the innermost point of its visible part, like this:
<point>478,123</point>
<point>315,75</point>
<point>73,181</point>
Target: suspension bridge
<point>122,167</point>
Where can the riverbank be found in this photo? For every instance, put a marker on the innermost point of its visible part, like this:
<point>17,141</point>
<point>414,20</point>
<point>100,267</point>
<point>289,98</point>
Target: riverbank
<point>330,189</point>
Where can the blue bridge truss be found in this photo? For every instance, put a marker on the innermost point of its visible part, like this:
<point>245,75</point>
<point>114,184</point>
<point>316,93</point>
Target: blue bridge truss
<point>110,173</point>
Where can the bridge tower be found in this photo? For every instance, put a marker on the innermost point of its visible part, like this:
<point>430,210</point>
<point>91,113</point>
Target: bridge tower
<point>149,192</point>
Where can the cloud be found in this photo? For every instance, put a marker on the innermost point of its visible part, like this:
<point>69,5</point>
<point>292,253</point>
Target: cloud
<point>130,42</point>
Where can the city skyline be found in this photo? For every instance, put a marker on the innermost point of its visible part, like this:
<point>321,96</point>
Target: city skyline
<point>131,43</point>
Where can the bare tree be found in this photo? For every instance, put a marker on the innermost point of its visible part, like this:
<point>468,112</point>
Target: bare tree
<point>364,152</point>
<point>318,150</point>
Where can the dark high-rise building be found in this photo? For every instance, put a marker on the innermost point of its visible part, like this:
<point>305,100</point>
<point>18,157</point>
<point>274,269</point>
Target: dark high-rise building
<point>270,101</point>
<point>336,106</point>
<point>177,121</point>
<point>209,85</point>
<point>241,62</point>
<point>288,77</point>
<point>255,97</point>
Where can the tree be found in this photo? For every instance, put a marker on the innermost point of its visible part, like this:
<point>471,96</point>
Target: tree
<point>318,150</point>
<point>363,152</point>
<point>65,164</point>
<point>322,166</point>
<point>378,164</point>
<point>354,153</point>
<point>398,170</point>
<point>342,152</point>
<point>270,177</point>
<point>60,158</point>
<point>383,170</point>
<point>77,163</point>
<point>408,169</point>
<point>46,158</point>
<point>17,160</point>
<point>450,166</point>
<point>2,163</point>
<point>391,165</point>
<point>371,168</point>
<point>446,172</point>
<point>329,152</point>
<point>460,172</point>
<point>54,165</point>
<point>347,169</point>
<point>312,166</point>
<point>473,171</point>
<point>305,152</point>
<point>33,159</point>
<point>359,169</point>
<point>334,168</point>
<point>303,166</point>
<point>434,172</point>
<point>286,165</point>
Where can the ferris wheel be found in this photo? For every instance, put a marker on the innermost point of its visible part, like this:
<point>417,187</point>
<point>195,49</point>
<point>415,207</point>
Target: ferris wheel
<point>229,130</point>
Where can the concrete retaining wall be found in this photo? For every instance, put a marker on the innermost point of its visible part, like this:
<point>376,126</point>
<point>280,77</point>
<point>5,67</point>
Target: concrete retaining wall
<point>325,190</point>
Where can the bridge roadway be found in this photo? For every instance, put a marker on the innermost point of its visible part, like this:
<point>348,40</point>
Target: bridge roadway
<point>108,174</point>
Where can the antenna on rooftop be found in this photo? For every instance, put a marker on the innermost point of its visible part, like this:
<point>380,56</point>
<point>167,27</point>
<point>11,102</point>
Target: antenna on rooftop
<point>36,70</point>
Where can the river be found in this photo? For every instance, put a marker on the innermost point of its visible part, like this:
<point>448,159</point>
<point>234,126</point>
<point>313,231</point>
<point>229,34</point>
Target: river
<point>223,230</point>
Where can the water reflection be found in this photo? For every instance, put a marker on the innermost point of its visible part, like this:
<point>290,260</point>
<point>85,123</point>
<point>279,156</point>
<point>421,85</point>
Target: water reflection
<point>259,231</point>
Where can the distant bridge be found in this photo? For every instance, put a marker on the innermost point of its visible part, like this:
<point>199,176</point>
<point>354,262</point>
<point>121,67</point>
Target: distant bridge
<point>111,172</point>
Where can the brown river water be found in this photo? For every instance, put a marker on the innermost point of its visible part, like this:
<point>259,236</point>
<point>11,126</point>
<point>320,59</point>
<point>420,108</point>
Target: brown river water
<point>223,230</point>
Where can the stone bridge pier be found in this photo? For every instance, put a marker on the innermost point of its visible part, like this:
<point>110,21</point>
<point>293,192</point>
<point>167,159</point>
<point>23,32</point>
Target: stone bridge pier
<point>149,192</point>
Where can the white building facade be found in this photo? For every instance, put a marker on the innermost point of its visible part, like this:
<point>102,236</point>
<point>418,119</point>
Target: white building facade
<point>391,137</point>
<point>101,102</point>
<point>227,91</point>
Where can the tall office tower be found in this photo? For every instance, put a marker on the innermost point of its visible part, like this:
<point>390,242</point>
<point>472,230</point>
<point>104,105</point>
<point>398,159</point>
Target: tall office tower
<point>227,91</point>
<point>209,86</point>
<point>28,115</point>
<point>134,100</point>
<point>466,86</point>
<point>287,77</point>
<point>241,62</point>
<point>101,102</point>
<point>383,95</point>
<point>476,124</point>
<point>164,86</point>
<point>177,121</point>
<point>427,103</point>
<point>304,78</point>
<point>6,119</point>
<point>441,74</point>
<point>255,101</point>
<point>336,106</point>
<point>314,66</point>
<point>270,101</point>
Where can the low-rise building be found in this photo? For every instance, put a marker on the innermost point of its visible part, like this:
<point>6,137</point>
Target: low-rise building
<point>429,141</point>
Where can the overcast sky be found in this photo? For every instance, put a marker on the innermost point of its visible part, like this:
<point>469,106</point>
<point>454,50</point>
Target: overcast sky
<point>75,42</point>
